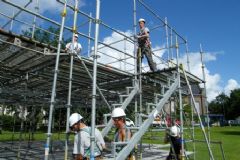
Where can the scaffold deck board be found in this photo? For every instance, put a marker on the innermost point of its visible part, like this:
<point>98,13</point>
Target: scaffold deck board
<point>27,71</point>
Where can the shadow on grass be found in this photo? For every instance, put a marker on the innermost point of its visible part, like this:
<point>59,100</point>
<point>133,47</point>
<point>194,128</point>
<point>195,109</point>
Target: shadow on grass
<point>233,133</point>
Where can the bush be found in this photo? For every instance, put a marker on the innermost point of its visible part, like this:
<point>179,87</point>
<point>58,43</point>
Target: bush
<point>7,122</point>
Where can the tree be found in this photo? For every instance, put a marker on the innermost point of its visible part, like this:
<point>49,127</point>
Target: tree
<point>229,106</point>
<point>49,37</point>
<point>234,106</point>
<point>218,105</point>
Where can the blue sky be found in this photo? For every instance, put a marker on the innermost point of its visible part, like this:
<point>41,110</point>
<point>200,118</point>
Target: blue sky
<point>215,24</point>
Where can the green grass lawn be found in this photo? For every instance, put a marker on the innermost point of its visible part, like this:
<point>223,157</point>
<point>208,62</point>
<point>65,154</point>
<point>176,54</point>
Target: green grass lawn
<point>229,136</point>
<point>39,136</point>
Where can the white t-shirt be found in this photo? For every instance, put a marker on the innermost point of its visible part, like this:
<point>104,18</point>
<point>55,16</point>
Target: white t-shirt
<point>143,41</point>
<point>143,30</point>
<point>76,47</point>
<point>82,141</point>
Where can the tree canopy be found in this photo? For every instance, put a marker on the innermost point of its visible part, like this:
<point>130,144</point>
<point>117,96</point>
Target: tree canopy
<point>50,36</point>
<point>229,106</point>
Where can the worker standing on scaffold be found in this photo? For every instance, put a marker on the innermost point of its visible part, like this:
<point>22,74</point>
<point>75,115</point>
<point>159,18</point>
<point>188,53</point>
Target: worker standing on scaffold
<point>75,47</point>
<point>144,47</point>
<point>122,134</point>
<point>81,148</point>
<point>173,136</point>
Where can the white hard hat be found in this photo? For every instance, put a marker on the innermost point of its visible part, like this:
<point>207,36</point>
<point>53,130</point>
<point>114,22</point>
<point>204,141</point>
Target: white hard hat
<point>118,112</point>
<point>75,35</point>
<point>74,118</point>
<point>141,20</point>
<point>174,131</point>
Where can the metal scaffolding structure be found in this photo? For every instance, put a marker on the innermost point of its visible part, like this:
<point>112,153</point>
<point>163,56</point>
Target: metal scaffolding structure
<point>78,81</point>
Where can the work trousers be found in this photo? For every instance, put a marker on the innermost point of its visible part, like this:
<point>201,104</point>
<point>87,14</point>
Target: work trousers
<point>145,50</point>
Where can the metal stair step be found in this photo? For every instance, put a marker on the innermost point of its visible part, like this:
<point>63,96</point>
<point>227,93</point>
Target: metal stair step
<point>151,104</point>
<point>126,95</point>
<point>158,95</point>
<point>116,105</point>
<point>122,97</point>
<point>129,89</point>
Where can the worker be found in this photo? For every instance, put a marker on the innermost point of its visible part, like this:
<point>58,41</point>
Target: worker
<point>173,136</point>
<point>81,148</point>
<point>74,48</point>
<point>144,46</point>
<point>122,134</point>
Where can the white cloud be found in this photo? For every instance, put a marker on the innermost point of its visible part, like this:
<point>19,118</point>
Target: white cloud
<point>55,7</point>
<point>51,7</point>
<point>112,57</point>
<point>212,80</point>
<point>231,85</point>
<point>157,58</point>
<point>127,47</point>
<point>158,54</point>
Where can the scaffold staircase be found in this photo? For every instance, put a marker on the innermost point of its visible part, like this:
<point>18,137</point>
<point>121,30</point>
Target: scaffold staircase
<point>157,106</point>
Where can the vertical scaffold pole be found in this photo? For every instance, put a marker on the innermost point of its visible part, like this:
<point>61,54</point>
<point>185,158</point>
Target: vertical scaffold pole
<point>95,56</point>
<point>187,52</point>
<point>193,129</point>
<point>11,24</point>
<point>135,61</point>
<point>135,33</point>
<point>53,95</point>
<point>180,99</point>
<point>167,43</point>
<point>35,17</point>
<point>135,55</point>
<point>191,104</point>
<point>140,96</point>
<point>205,93</point>
<point>192,122</point>
<point>70,79</point>
<point>23,110</point>
<point>89,34</point>
<point>171,43</point>
<point>125,51</point>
